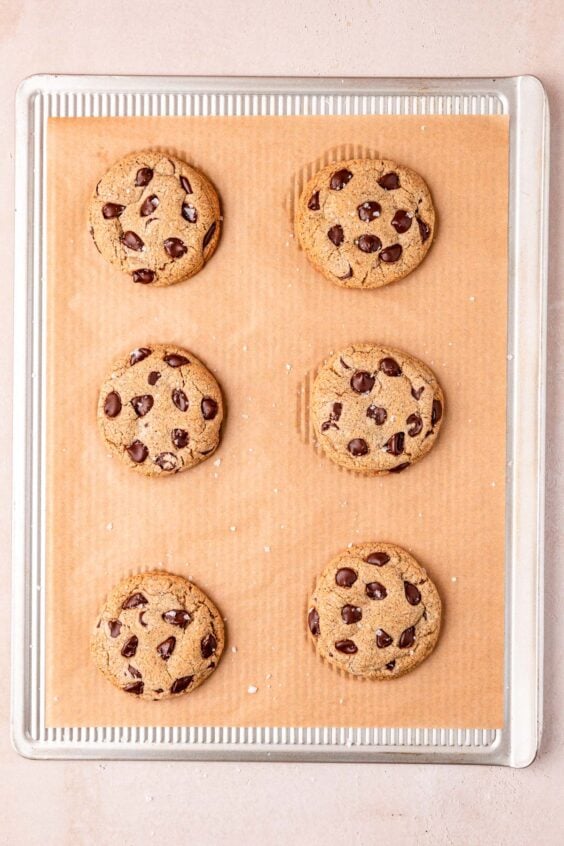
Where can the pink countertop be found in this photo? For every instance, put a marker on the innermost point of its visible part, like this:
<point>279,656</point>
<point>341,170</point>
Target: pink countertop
<point>136,803</point>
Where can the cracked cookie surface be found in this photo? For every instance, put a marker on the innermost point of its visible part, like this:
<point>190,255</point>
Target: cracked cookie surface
<point>160,410</point>
<point>375,409</point>
<point>155,217</point>
<point>364,223</point>
<point>157,636</point>
<point>374,612</point>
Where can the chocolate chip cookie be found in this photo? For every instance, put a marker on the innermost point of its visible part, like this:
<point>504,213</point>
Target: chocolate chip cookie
<point>160,410</point>
<point>364,223</point>
<point>375,409</point>
<point>155,217</point>
<point>374,612</point>
<point>157,636</point>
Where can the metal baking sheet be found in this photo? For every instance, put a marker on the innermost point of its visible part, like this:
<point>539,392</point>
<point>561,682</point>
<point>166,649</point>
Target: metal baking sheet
<point>524,100</point>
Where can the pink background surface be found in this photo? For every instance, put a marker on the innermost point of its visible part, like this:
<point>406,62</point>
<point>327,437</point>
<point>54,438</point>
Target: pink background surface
<point>136,803</point>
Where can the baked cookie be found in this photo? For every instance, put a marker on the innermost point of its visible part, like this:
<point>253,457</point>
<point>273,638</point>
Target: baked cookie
<point>375,409</point>
<point>157,636</point>
<point>160,410</point>
<point>374,612</point>
<point>365,222</point>
<point>155,217</point>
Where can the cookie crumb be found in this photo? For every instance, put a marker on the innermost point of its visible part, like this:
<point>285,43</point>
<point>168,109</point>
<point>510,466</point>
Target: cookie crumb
<point>245,348</point>
<point>266,548</point>
<point>232,528</point>
<point>454,579</point>
<point>233,649</point>
<point>472,299</point>
<point>109,526</point>
<point>268,676</point>
<point>288,367</point>
<point>217,462</point>
<point>252,688</point>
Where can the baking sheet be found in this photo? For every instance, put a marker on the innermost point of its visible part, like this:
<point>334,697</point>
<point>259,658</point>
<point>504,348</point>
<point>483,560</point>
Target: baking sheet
<point>263,320</point>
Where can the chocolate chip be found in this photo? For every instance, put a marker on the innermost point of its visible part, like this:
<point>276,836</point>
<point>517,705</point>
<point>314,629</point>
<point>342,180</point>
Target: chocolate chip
<point>313,203</point>
<point>208,236</point>
<point>357,447</point>
<point>349,647</point>
<point>347,275</point>
<point>376,590</point>
<point>209,408</point>
<point>143,176</point>
<point>142,621</point>
<point>149,205</point>
<point>158,690</point>
<point>416,424</point>
<point>167,461</point>
<point>181,684</point>
<point>407,638</point>
<point>185,184</point>
<point>138,355</point>
<point>189,213</point>
<point>130,647</point>
<point>346,577</point>
<point>391,254</point>
<point>377,558</point>
<point>135,600</point>
<point>177,617</point>
<point>368,243</point>
<point>362,382</point>
<point>208,645</point>
<point>401,221</point>
<point>390,665</point>
<point>390,367</point>
<point>344,364</point>
<point>313,622</point>
<point>416,392</point>
<point>437,411</point>
<point>114,627</point>
<point>390,181</point>
<point>336,235</point>
<point>175,248</point>
<point>133,671</point>
<point>138,452</point>
<point>424,230</point>
<point>135,687</point>
<point>399,467</point>
<point>336,411</point>
<point>153,377</point>
<point>166,648</point>
<point>383,639</point>
<point>112,405</point>
<point>175,360</point>
<point>180,399</point>
<point>369,210</point>
<point>142,405</point>
<point>144,276</point>
<point>412,593</point>
<point>179,438</point>
<point>351,614</point>
<point>396,443</point>
<point>339,179</point>
<point>376,413</point>
<point>132,240</point>
<point>111,210</point>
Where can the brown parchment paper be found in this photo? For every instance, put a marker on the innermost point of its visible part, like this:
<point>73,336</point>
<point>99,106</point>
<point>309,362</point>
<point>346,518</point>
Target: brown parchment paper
<point>255,524</point>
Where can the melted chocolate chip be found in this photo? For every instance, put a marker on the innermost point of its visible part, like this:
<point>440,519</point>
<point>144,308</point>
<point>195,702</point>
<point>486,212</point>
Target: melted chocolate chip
<point>437,411</point>
<point>369,210</point>
<point>407,638</point>
<point>424,230</point>
<point>181,684</point>
<point>179,438</point>
<point>153,377</point>
<point>209,235</point>
<point>339,179</point>
<point>111,210</point>
<point>396,443</point>
<point>177,617</point>
<point>167,461</point>
<point>135,687</point>
<point>186,184</point>
<point>313,203</point>
<point>142,405</point>
<point>416,392</point>
<point>134,601</point>
<point>376,590</point>
<point>357,447</point>
<point>412,593</point>
<point>362,382</point>
<point>142,621</point>
<point>401,221</point>
<point>368,243</point>
<point>175,248</point>
<point>391,254</point>
<point>166,648</point>
<point>399,467</point>
<point>149,205</point>
<point>143,177</point>
<point>389,182</point>
<point>132,241</point>
<point>344,364</point>
<point>390,367</point>
<point>349,647</point>
<point>390,665</point>
<point>346,577</point>
<point>347,275</point>
<point>376,413</point>
<point>313,622</point>
<point>133,671</point>
<point>144,276</point>
<point>138,452</point>
<point>175,360</point>
<point>383,639</point>
<point>351,614</point>
<point>336,410</point>
<point>130,647</point>
<point>415,423</point>
<point>138,355</point>
<point>336,235</point>
<point>180,399</point>
<point>208,645</point>
<point>209,408</point>
<point>115,627</point>
<point>189,213</point>
<point>112,405</point>
<point>377,558</point>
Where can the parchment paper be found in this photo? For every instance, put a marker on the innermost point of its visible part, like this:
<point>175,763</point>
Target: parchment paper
<point>255,524</point>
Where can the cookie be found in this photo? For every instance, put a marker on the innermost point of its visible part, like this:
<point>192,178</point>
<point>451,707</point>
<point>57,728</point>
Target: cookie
<point>155,217</point>
<point>364,223</point>
<point>160,410</point>
<point>157,636</point>
<point>374,612</point>
<point>375,409</point>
